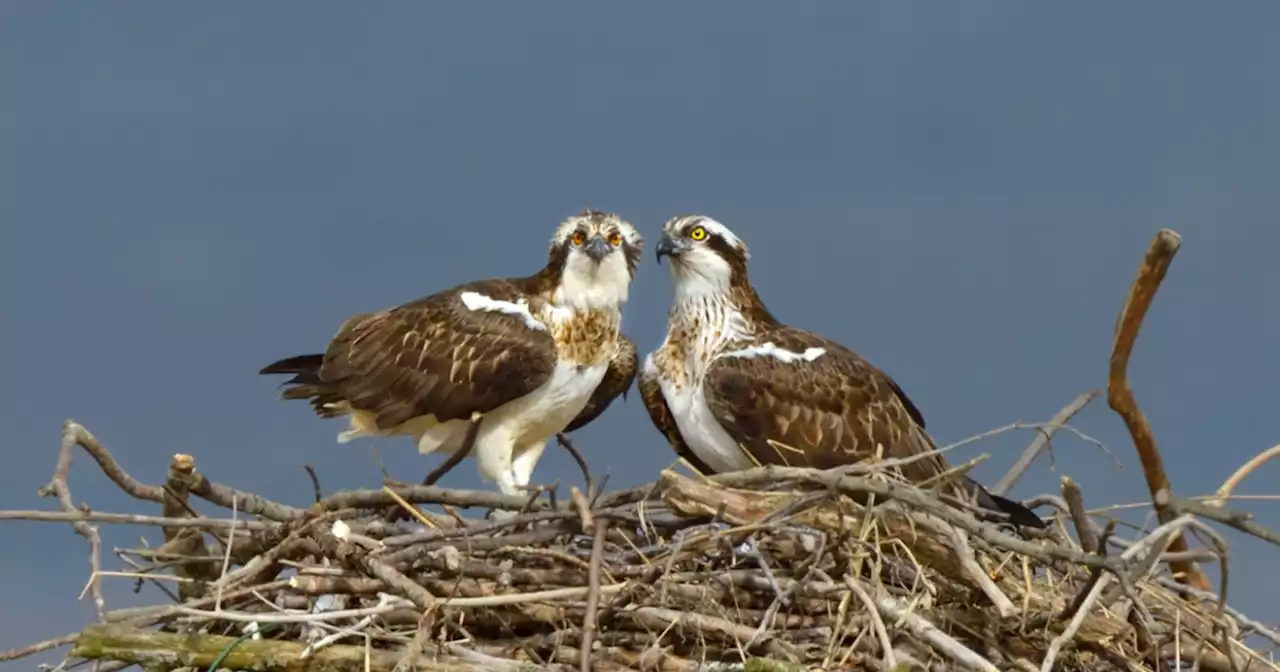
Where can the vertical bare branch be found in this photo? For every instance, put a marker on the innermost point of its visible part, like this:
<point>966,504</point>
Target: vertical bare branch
<point>593,594</point>
<point>178,482</point>
<point>1121,399</point>
<point>58,487</point>
<point>1079,516</point>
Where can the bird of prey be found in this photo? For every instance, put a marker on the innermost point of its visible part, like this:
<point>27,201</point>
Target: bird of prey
<point>527,356</point>
<point>617,381</point>
<point>732,388</point>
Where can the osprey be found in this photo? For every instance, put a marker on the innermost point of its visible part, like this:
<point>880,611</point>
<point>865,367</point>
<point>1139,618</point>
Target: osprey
<point>530,355</point>
<point>617,380</point>
<point>732,388</point>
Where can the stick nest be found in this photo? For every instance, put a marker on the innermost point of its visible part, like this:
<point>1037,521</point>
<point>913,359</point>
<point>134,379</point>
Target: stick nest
<point>770,569</point>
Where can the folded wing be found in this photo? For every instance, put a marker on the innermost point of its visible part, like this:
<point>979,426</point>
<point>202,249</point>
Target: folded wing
<point>436,356</point>
<point>828,409</point>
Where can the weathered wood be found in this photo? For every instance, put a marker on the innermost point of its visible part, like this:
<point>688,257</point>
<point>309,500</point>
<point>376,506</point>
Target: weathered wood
<point>155,650</point>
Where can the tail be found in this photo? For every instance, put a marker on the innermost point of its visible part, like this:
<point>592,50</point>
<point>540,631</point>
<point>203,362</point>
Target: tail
<point>305,383</point>
<point>1018,514</point>
<point>306,366</point>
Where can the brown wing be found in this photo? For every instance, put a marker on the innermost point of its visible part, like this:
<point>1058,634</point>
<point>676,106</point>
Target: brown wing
<point>660,414</point>
<point>824,413</point>
<point>617,380</point>
<point>830,412</point>
<point>431,356</point>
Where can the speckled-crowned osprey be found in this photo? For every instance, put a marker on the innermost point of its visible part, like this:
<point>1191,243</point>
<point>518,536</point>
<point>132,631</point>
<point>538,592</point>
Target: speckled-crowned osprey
<point>533,355</point>
<point>732,388</point>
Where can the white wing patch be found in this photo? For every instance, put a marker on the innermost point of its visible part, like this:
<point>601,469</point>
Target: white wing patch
<point>769,349</point>
<point>477,301</point>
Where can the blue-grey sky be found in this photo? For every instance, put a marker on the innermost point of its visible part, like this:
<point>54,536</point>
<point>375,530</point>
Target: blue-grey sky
<point>959,191</point>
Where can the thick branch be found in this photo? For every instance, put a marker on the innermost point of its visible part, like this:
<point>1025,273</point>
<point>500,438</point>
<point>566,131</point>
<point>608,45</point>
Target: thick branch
<point>185,540</point>
<point>152,650</point>
<point>136,519</point>
<point>424,494</point>
<point>1080,517</point>
<point>58,487</point>
<point>1120,397</point>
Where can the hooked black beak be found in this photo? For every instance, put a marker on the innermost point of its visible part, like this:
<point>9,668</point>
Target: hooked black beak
<point>666,247</point>
<point>596,248</point>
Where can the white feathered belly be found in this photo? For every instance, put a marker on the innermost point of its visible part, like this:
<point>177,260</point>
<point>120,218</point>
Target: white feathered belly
<point>533,418</point>
<point>700,429</point>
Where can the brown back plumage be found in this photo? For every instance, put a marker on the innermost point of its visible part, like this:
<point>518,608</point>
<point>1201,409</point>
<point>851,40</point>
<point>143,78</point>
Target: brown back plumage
<point>828,411</point>
<point>429,356</point>
<point>832,411</point>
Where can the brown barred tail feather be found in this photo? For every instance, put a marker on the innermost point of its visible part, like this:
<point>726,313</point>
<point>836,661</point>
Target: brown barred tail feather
<point>1019,515</point>
<point>305,383</point>
<point>303,365</point>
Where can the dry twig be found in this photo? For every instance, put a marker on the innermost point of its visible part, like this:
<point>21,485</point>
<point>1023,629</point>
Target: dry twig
<point>1038,444</point>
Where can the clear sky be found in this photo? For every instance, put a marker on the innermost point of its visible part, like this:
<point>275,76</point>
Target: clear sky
<point>959,191</point>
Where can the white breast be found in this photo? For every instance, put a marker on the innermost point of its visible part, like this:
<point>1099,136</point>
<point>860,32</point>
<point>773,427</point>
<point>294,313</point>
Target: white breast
<point>555,404</point>
<point>550,408</point>
<point>533,418</point>
<point>698,427</point>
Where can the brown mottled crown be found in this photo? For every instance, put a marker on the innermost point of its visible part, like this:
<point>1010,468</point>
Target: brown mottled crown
<point>592,221</point>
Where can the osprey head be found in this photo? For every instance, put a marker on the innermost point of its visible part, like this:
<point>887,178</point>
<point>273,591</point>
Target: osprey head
<point>704,253</point>
<point>596,254</point>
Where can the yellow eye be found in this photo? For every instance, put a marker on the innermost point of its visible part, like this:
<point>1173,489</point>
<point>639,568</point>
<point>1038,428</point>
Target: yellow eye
<point>698,233</point>
<point>615,239</point>
<point>579,237</point>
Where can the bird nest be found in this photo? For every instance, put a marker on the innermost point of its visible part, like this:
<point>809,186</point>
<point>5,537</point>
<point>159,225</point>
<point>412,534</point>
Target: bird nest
<point>769,569</point>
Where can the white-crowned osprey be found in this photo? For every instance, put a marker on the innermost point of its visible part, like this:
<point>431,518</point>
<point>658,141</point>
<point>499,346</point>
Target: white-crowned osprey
<point>532,355</point>
<point>732,388</point>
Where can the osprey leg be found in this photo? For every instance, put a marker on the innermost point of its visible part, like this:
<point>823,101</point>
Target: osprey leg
<point>396,513</point>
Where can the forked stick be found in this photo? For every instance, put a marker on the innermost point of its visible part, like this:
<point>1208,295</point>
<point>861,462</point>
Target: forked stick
<point>1121,400</point>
